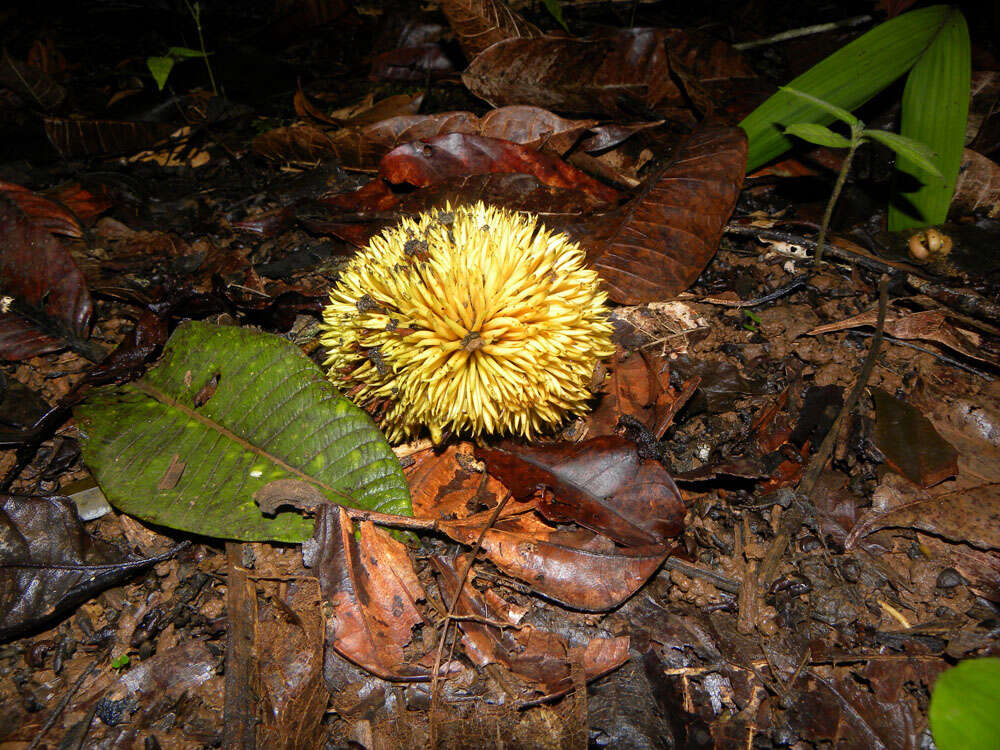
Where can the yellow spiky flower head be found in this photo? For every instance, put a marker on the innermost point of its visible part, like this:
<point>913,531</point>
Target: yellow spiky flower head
<point>475,320</point>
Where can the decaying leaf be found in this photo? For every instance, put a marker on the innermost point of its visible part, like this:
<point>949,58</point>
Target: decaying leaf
<point>910,443</point>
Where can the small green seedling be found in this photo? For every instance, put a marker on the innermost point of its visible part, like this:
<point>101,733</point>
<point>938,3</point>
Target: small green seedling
<point>161,66</point>
<point>751,321</point>
<point>821,135</point>
<point>120,662</point>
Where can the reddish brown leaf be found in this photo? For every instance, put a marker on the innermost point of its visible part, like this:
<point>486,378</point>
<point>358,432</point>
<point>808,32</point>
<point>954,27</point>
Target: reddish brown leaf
<point>578,76</point>
<point>910,443</point>
<point>445,485</point>
<point>534,127</point>
<point>436,160</point>
<point>661,240</point>
<point>480,23</point>
<point>540,656</point>
<point>47,286</point>
<point>372,589</point>
<point>42,212</point>
<point>710,69</point>
<point>601,484</point>
<point>578,569</point>
<point>86,205</point>
<point>20,339</point>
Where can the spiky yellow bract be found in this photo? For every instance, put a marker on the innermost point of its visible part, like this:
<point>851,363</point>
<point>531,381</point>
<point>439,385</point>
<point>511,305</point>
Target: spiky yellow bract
<point>473,320</point>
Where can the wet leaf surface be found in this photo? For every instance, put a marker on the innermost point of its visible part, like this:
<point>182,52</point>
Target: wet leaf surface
<point>910,443</point>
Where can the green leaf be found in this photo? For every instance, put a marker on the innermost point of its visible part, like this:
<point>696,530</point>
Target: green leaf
<point>935,110</point>
<point>847,79</point>
<point>180,53</point>
<point>841,114</point>
<point>224,413</point>
<point>818,134</point>
<point>915,151</point>
<point>555,10</point>
<point>160,67</point>
<point>965,706</point>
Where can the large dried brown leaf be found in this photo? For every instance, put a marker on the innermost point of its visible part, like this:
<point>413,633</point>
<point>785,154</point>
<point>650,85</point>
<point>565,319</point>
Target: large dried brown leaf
<point>479,23</point>
<point>296,143</point>
<point>447,485</point>
<point>540,656</point>
<point>579,569</point>
<point>436,160</point>
<point>372,590</point>
<point>614,75</point>
<point>48,288</point>
<point>978,186</point>
<point>601,484</point>
<point>657,244</point>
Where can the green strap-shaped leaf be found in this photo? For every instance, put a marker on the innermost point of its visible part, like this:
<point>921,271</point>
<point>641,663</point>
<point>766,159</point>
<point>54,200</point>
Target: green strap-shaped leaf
<point>848,78</point>
<point>818,134</point>
<point>225,412</point>
<point>935,109</point>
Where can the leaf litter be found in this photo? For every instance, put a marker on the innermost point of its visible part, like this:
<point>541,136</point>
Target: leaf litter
<point>558,594</point>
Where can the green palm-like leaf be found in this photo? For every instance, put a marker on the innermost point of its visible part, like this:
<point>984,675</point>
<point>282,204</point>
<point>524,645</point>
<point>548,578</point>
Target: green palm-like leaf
<point>935,110</point>
<point>847,79</point>
<point>818,134</point>
<point>914,151</point>
<point>225,412</point>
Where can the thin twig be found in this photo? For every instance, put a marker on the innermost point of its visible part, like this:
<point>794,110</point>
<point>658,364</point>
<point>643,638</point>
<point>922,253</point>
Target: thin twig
<point>458,595</point>
<point>127,565</point>
<point>57,712</point>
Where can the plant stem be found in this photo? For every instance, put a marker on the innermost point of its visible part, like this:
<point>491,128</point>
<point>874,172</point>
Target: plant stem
<point>838,186</point>
<point>195,12</point>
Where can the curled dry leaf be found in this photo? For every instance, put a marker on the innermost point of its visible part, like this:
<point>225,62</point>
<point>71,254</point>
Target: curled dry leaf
<point>372,589</point>
<point>446,485</point>
<point>436,160</point>
<point>539,656</point>
<point>655,246</point>
<point>578,569</point>
<point>601,484</point>
<point>978,186</point>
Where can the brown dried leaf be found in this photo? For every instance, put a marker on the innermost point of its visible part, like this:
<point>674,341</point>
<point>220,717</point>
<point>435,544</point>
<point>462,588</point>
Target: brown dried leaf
<point>296,143</point>
<point>978,186</point>
<point>927,325</point>
<point>445,485</point>
<point>627,70</point>
<point>372,589</point>
<point>656,245</point>
<point>41,211</point>
<point>601,484</point>
<point>540,656</point>
<point>31,82</point>
<point>423,163</point>
<point>479,23</point>
<point>578,569</point>
<point>82,138</point>
<point>41,275</point>
<point>910,443</point>
<point>968,515</point>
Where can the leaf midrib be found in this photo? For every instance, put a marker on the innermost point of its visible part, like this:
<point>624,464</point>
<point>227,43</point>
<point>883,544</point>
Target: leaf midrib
<point>158,395</point>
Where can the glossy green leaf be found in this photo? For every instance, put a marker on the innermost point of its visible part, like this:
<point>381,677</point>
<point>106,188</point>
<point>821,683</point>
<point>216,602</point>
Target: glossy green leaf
<point>935,110</point>
<point>224,413</point>
<point>847,79</point>
<point>840,113</point>
<point>965,706</point>
<point>915,151</point>
<point>818,134</point>
<point>555,10</point>
<point>179,53</point>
